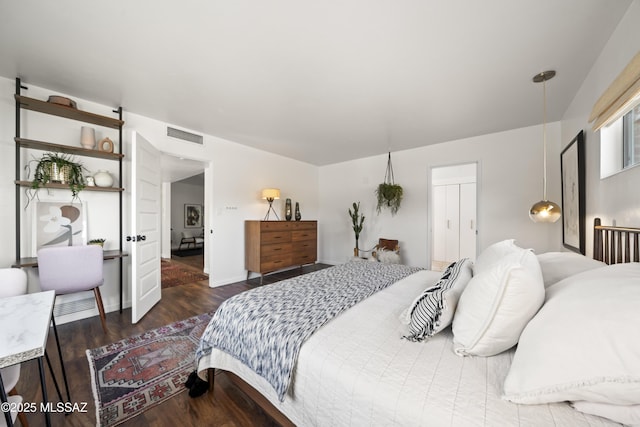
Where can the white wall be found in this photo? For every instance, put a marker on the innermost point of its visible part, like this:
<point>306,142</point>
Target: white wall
<point>615,199</point>
<point>509,182</point>
<point>235,174</point>
<point>234,179</point>
<point>183,193</point>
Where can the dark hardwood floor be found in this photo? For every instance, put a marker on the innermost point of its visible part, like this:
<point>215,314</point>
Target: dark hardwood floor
<point>227,406</point>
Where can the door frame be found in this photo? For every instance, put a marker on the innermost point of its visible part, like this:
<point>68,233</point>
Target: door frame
<point>430,225</point>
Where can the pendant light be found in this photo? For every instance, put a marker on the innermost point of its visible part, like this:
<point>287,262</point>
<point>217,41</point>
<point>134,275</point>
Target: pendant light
<point>544,210</point>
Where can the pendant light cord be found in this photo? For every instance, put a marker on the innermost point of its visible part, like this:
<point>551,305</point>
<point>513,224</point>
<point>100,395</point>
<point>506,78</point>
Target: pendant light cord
<point>544,139</point>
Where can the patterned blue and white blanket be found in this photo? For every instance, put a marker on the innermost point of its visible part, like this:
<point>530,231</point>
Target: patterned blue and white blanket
<point>265,327</point>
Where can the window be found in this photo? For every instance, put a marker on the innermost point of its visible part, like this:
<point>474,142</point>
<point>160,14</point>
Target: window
<point>631,137</point>
<point>620,144</point>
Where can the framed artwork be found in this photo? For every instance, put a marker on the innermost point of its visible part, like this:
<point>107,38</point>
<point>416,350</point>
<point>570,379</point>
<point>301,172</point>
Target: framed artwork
<point>572,168</point>
<point>192,216</point>
<point>59,224</point>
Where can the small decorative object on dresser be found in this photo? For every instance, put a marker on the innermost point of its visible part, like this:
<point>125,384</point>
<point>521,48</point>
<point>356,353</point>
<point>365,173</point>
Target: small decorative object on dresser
<point>287,210</point>
<point>298,215</point>
<point>103,178</point>
<point>88,137</point>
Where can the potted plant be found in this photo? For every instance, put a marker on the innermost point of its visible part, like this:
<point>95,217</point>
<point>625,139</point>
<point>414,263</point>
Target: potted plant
<point>58,168</point>
<point>357,219</point>
<point>99,242</point>
<point>389,193</point>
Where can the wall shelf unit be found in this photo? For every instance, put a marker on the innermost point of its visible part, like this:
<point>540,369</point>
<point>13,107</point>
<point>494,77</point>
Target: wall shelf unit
<point>65,112</point>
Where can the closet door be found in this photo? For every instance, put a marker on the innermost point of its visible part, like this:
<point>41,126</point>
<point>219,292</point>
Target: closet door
<point>439,201</point>
<point>452,231</point>
<point>468,221</point>
<point>446,224</point>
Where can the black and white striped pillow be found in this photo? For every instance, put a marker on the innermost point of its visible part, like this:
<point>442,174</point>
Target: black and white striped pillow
<point>433,310</point>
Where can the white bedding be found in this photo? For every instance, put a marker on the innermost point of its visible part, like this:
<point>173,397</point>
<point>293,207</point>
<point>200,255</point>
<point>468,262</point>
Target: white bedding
<point>356,371</point>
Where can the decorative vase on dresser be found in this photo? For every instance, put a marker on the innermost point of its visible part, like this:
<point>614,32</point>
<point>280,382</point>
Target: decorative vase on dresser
<point>274,245</point>
<point>287,210</point>
<point>298,215</point>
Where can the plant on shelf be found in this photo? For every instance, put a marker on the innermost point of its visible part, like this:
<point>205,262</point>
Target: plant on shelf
<point>57,168</point>
<point>357,219</point>
<point>389,193</point>
<point>99,242</point>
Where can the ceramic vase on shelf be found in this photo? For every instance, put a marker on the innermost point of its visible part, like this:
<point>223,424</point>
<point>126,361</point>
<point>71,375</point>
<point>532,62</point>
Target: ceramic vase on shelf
<point>298,216</point>
<point>102,178</point>
<point>88,137</point>
<point>287,210</point>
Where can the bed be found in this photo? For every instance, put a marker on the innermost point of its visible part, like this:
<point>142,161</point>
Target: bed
<point>375,363</point>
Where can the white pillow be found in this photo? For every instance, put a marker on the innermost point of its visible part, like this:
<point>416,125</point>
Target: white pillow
<point>434,308</point>
<point>629,415</point>
<point>493,254</point>
<point>497,304</point>
<point>583,344</point>
<point>556,266</point>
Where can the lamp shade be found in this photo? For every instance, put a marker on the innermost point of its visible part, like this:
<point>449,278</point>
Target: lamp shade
<point>545,211</point>
<point>271,193</point>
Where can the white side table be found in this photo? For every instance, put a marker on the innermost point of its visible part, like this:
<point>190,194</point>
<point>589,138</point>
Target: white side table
<point>26,319</point>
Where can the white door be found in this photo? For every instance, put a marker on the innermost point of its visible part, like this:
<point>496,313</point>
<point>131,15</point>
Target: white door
<point>452,231</point>
<point>468,220</point>
<point>453,213</point>
<point>439,221</point>
<point>145,227</point>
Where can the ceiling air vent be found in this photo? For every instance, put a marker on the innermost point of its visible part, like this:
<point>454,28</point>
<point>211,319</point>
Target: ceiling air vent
<point>187,136</point>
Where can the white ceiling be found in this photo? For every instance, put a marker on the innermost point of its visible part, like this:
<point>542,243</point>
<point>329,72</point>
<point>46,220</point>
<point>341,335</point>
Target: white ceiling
<point>319,81</point>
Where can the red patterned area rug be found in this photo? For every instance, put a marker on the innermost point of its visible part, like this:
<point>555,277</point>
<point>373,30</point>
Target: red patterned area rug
<point>139,372</point>
<point>173,274</point>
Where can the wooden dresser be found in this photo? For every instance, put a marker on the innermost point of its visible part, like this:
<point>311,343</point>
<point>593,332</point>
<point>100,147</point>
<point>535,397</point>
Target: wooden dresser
<point>275,245</point>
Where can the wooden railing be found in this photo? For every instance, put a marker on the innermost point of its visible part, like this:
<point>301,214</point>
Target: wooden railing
<point>615,245</point>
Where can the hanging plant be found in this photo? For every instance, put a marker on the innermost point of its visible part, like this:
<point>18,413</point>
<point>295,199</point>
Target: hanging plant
<point>389,193</point>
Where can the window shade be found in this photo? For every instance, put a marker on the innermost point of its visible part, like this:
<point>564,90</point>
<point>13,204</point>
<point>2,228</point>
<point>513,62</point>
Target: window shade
<point>620,97</point>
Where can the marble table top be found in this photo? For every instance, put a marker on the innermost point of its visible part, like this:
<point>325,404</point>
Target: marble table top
<point>25,321</point>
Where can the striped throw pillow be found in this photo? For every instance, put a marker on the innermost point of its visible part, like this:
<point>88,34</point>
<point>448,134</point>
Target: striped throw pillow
<point>433,310</point>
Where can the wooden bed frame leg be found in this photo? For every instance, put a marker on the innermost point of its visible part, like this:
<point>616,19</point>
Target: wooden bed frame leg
<point>211,373</point>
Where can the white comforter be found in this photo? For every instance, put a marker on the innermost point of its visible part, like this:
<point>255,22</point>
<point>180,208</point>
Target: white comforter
<point>357,371</point>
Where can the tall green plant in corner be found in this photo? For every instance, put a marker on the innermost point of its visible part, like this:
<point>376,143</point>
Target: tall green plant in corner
<point>358,220</point>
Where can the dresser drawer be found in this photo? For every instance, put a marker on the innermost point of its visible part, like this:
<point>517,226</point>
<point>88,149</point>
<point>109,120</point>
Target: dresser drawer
<point>303,225</point>
<point>304,257</point>
<point>299,235</point>
<point>275,262</point>
<point>276,249</point>
<point>304,246</point>
<point>275,226</point>
<point>271,237</point>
